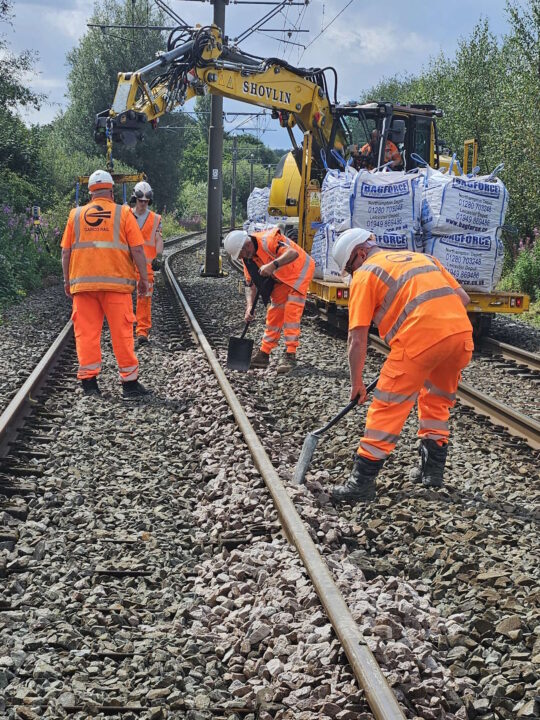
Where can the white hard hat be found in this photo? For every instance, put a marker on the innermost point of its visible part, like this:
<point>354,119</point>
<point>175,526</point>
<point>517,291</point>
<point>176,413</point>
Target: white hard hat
<point>99,180</point>
<point>234,242</point>
<point>347,241</point>
<point>142,191</point>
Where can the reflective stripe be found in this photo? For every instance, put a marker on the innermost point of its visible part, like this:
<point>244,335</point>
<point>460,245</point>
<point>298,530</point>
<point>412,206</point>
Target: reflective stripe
<point>129,369</point>
<point>93,366</point>
<point>115,244</point>
<point>103,279</point>
<point>303,273</point>
<point>395,286</point>
<point>272,328</point>
<point>413,304</point>
<point>393,398</point>
<point>277,305</point>
<point>430,387</point>
<point>372,450</point>
<point>297,300</point>
<point>291,326</point>
<point>381,435</point>
<point>378,271</point>
<point>131,376</point>
<point>433,425</point>
<point>434,436</point>
<point>269,339</point>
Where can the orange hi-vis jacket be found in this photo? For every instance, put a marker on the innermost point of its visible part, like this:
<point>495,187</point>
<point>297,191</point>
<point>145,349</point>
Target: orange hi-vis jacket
<point>149,223</point>
<point>390,151</point>
<point>410,297</point>
<point>270,245</point>
<point>99,236</point>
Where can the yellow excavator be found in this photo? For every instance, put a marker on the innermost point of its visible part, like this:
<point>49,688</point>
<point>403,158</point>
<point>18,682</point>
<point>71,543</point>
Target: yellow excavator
<point>199,60</point>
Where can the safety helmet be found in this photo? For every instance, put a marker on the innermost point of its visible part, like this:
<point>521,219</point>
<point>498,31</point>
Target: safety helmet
<point>346,242</point>
<point>142,191</point>
<point>100,180</point>
<point>234,242</point>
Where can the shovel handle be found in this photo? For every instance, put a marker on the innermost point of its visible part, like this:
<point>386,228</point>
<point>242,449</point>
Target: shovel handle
<point>244,331</point>
<point>346,409</point>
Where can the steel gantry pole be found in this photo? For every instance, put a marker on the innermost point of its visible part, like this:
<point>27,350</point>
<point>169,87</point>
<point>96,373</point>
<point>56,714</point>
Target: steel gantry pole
<point>215,163</point>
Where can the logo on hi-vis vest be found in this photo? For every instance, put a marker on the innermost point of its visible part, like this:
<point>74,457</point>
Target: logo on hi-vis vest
<point>251,88</point>
<point>95,215</point>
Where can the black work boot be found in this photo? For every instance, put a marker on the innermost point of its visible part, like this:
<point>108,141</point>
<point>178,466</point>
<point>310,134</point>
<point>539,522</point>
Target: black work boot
<point>286,364</point>
<point>432,462</point>
<point>90,386</point>
<point>260,360</point>
<point>360,487</point>
<point>133,390</point>
<point>142,340</point>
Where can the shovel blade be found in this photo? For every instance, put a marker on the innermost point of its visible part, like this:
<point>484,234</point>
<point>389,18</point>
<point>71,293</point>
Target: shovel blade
<point>304,461</point>
<point>239,354</point>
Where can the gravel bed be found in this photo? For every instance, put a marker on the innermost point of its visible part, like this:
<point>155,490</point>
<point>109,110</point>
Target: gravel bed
<point>515,332</point>
<point>26,331</point>
<point>472,547</point>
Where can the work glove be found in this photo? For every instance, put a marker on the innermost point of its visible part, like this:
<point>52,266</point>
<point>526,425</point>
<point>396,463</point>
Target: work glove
<point>156,264</point>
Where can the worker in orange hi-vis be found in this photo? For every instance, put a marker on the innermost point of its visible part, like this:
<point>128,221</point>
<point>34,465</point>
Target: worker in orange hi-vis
<point>101,248</point>
<point>150,224</point>
<point>419,308</point>
<point>269,254</point>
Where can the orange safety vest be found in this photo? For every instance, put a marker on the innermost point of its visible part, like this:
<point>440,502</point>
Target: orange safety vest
<point>149,227</point>
<point>410,297</point>
<point>390,151</point>
<point>99,235</point>
<point>297,274</point>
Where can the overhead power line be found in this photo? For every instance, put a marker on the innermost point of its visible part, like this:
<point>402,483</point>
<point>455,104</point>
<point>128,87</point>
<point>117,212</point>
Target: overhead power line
<point>327,26</point>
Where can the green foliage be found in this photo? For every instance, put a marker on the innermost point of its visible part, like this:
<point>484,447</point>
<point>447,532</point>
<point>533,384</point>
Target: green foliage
<point>525,275</point>
<point>25,258</point>
<point>13,70</point>
<point>489,91</point>
<point>171,226</point>
<point>92,81</point>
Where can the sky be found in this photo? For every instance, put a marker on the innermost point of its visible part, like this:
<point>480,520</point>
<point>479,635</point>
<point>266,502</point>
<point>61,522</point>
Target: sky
<point>365,40</point>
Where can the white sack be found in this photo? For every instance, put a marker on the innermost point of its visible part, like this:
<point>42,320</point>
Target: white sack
<point>453,204</point>
<point>336,197</point>
<point>321,252</point>
<point>474,259</point>
<point>386,202</point>
<point>400,241</point>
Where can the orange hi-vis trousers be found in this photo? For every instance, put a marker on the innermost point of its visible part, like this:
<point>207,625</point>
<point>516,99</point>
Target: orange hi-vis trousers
<point>143,313</point>
<point>284,312</point>
<point>89,309</point>
<point>432,377</point>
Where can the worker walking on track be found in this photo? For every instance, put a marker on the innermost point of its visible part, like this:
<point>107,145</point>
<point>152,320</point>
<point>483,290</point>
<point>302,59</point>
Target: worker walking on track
<point>419,308</point>
<point>269,254</point>
<point>150,225</point>
<point>101,247</point>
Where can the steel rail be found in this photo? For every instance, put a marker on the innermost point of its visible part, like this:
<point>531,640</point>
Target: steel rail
<point>378,692</point>
<point>21,405</point>
<point>514,422</point>
<point>510,352</point>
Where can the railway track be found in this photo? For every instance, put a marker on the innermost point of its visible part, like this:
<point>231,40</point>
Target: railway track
<point>470,543</point>
<point>116,579</point>
<point>114,546</point>
<point>522,358</point>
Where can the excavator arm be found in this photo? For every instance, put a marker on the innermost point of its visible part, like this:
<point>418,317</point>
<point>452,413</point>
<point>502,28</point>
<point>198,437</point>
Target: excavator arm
<point>205,63</point>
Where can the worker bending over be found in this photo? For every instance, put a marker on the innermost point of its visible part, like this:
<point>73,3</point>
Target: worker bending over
<point>101,246</point>
<point>271,254</point>
<point>150,224</point>
<point>419,309</point>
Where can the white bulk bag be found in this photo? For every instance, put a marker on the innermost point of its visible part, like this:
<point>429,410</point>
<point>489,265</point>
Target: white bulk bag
<point>474,259</point>
<point>400,241</point>
<point>471,204</point>
<point>386,201</point>
<point>335,197</point>
<point>321,252</point>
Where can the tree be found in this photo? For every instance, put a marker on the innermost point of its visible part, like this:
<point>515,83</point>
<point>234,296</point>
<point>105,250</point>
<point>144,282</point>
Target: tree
<point>92,81</point>
<point>13,69</point>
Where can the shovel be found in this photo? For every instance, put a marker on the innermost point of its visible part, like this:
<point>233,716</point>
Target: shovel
<point>310,443</point>
<point>240,349</point>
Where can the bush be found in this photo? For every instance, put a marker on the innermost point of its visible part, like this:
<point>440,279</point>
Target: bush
<point>525,275</point>
<point>25,258</point>
<point>170,226</point>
